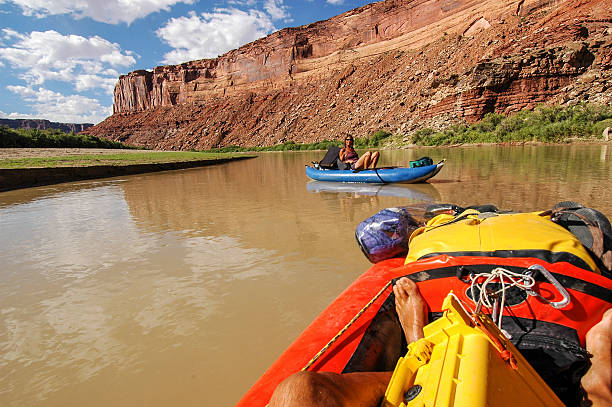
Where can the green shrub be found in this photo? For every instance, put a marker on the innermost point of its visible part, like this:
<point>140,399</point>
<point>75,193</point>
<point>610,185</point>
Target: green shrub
<point>52,138</point>
<point>600,126</point>
<point>544,124</point>
<point>375,140</point>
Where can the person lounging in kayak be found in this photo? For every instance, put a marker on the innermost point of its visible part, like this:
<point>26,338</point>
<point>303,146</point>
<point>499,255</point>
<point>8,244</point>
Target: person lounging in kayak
<point>349,159</point>
<point>326,389</point>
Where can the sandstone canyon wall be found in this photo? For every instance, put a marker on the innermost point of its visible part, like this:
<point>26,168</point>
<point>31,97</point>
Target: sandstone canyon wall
<point>394,65</point>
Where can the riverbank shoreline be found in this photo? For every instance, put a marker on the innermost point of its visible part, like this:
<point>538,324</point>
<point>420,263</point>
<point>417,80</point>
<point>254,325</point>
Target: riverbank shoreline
<point>508,144</point>
<point>19,178</point>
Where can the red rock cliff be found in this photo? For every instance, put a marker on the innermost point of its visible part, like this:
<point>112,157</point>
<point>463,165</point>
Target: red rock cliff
<point>392,65</point>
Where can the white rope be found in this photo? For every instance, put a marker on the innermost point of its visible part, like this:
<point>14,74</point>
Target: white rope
<point>464,306</point>
<point>507,279</point>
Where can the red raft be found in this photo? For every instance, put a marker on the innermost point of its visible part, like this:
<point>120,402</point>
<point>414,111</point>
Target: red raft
<point>375,341</point>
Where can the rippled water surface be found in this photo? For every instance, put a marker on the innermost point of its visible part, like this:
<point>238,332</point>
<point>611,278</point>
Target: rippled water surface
<point>180,288</point>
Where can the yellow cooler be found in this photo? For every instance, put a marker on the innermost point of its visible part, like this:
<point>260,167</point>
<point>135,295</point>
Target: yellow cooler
<point>465,361</point>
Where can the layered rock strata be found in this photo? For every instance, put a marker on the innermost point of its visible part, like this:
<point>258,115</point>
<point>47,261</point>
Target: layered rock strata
<point>42,124</point>
<point>392,65</point>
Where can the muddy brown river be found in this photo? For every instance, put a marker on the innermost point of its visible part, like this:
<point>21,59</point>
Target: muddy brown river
<point>180,288</point>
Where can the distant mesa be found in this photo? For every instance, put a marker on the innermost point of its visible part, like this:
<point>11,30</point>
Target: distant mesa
<point>395,65</point>
<point>42,124</point>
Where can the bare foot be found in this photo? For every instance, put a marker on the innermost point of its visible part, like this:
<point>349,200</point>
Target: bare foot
<point>597,382</point>
<point>411,308</point>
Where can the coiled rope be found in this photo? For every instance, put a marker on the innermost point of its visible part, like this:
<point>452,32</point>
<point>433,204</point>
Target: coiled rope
<point>507,279</point>
<point>347,326</point>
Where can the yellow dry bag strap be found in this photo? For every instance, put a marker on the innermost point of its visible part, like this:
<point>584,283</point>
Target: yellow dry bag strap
<point>444,220</point>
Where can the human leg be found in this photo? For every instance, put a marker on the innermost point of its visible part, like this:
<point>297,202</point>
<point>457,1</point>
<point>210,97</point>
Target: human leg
<point>363,161</point>
<point>597,382</point>
<point>374,159</point>
<point>325,389</point>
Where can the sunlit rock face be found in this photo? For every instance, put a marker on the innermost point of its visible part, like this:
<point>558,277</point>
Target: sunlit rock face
<point>393,65</point>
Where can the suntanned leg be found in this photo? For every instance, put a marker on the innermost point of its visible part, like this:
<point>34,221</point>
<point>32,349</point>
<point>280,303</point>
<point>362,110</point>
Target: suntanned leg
<point>374,159</point>
<point>360,389</point>
<point>326,389</point>
<point>597,382</point>
<point>363,161</point>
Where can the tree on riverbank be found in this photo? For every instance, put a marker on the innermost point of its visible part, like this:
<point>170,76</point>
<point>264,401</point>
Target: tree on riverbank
<point>52,138</point>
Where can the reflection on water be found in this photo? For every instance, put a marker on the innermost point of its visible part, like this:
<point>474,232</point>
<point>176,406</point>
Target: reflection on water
<point>415,192</point>
<point>181,287</point>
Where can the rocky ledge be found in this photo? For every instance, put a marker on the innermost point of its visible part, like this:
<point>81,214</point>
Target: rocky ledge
<point>392,65</point>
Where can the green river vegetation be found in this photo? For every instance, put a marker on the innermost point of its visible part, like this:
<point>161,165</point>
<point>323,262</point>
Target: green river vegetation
<point>52,138</point>
<point>582,122</point>
<point>556,124</point>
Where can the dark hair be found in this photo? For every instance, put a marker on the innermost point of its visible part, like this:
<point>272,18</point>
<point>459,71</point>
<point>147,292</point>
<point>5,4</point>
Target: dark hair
<point>349,137</point>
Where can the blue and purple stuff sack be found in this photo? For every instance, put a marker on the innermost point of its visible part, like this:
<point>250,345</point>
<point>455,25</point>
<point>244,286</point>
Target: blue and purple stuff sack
<point>385,235</point>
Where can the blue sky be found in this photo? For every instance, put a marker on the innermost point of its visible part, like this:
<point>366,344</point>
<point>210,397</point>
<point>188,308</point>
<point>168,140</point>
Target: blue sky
<point>60,59</point>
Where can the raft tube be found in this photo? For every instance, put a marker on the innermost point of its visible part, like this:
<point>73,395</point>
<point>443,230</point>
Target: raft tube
<point>377,175</point>
<point>551,339</point>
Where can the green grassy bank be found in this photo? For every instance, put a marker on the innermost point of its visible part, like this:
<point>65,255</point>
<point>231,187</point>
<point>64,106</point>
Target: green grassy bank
<point>120,159</point>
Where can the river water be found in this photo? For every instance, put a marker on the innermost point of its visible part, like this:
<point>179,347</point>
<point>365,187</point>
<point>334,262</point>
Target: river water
<point>180,288</point>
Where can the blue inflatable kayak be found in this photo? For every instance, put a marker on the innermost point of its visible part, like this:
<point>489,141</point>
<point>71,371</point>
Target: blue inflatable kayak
<point>377,175</point>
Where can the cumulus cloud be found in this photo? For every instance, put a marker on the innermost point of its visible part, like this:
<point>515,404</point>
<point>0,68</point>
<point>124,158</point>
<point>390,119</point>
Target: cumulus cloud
<point>5,115</point>
<point>59,108</point>
<point>86,62</point>
<point>211,34</point>
<point>335,2</point>
<point>106,11</point>
<point>277,10</point>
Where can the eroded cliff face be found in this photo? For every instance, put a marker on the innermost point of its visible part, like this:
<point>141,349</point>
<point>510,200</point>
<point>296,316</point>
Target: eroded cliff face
<point>392,65</point>
<point>42,124</point>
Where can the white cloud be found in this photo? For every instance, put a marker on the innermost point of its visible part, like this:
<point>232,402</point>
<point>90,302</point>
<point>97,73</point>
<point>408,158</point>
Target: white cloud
<point>106,11</point>
<point>5,115</point>
<point>88,82</point>
<point>242,3</point>
<point>335,2</point>
<point>276,9</point>
<point>49,55</point>
<point>211,34</point>
<point>60,108</point>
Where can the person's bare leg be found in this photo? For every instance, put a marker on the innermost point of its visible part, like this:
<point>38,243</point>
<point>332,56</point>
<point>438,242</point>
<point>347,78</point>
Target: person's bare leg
<point>366,159</point>
<point>411,308</point>
<point>363,161</point>
<point>597,382</point>
<point>324,389</point>
<point>374,159</point>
